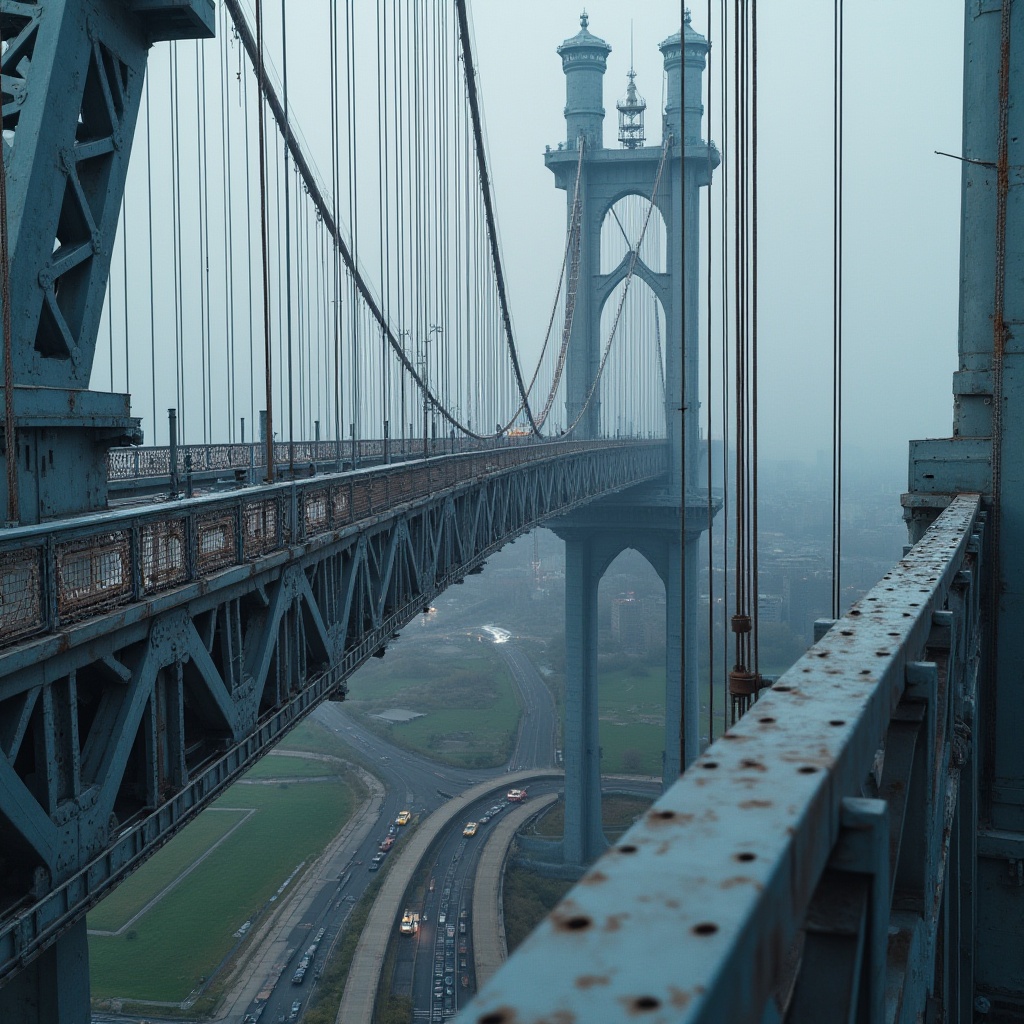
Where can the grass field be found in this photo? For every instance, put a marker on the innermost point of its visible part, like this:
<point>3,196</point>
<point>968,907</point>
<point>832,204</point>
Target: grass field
<point>631,728</point>
<point>131,896</point>
<point>183,938</point>
<point>462,689</point>
<point>618,812</point>
<point>281,766</point>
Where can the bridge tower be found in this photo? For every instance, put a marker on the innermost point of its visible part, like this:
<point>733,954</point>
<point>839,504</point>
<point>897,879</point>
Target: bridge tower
<point>648,520</point>
<point>73,77</point>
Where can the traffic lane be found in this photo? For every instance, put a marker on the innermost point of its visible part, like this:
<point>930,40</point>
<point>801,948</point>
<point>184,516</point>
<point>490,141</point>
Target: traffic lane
<point>411,763</point>
<point>536,742</point>
<point>464,854</point>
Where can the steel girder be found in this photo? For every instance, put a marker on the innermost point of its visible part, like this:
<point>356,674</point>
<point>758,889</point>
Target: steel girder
<point>817,862</point>
<point>170,647</point>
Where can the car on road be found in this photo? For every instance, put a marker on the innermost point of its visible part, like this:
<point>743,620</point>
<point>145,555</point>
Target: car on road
<point>296,1006</point>
<point>486,818</point>
<point>374,865</point>
<point>403,818</point>
<point>470,829</point>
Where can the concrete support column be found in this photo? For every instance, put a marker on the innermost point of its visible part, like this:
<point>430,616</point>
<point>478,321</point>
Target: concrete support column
<point>55,987</point>
<point>584,839</point>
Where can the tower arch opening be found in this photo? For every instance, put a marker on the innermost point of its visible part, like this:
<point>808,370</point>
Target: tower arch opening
<point>631,666</point>
<point>633,381</point>
<point>621,229</point>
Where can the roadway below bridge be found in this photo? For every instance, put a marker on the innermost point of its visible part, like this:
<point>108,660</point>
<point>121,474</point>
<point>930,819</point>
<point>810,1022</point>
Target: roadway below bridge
<point>442,799</point>
<point>407,781</point>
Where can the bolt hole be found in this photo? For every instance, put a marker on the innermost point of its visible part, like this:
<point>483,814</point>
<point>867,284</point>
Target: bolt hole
<point>576,924</point>
<point>666,815</point>
<point>746,857</point>
<point>705,928</point>
<point>645,1003</point>
<point>865,671</point>
<point>767,720</point>
<point>628,848</point>
<point>709,765</point>
<point>837,721</point>
<point>782,689</point>
<point>807,769</point>
<point>498,1017</point>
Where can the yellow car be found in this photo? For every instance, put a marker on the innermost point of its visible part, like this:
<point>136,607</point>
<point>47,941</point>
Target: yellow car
<point>404,818</point>
<point>470,829</point>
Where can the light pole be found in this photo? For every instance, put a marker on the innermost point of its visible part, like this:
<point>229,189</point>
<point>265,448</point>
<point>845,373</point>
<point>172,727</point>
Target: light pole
<point>438,330</point>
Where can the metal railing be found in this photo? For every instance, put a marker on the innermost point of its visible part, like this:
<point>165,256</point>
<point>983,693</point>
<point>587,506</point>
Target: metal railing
<point>148,462</point>
<point>56,574</point>
<point>802,868</point>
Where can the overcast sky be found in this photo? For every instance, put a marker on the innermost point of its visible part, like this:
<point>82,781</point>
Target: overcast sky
<point>903,66</point>
<point>903,85</point>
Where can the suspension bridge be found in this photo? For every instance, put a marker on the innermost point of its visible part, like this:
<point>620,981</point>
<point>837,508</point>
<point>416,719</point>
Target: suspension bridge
<point>352,426</point>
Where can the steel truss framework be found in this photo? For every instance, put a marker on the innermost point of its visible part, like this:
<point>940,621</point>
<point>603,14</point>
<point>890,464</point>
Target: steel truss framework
<point>818,862</point>
<point>154,655</point>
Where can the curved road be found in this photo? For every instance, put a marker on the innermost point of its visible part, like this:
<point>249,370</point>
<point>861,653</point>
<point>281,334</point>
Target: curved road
<point>414,783</point>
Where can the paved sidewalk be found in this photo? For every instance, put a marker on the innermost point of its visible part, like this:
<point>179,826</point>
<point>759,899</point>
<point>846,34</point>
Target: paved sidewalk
<point>364,975</point>
<point>270,947</point>
<point>490,950</point>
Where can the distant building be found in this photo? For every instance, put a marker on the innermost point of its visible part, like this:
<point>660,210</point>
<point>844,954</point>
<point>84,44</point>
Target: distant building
<point>636,622</point>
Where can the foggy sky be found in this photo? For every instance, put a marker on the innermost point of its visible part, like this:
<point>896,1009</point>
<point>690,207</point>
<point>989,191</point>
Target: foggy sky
<point>903,82</point>
<point>903,65</point>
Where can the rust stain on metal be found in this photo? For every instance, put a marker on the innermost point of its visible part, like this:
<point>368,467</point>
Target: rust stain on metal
<point>594,878</point>
<point>614,922</point>
<point>571,922</point>
<point>731,883</point>
<point>678,998</point>
<point>665,817</point>
<point>588,981</point>
<point>639,1005</point>
<point>749,805</point>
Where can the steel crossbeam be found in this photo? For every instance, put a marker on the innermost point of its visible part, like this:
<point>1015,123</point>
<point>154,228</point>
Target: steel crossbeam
<point>152,655</point>
<point>764,885</point>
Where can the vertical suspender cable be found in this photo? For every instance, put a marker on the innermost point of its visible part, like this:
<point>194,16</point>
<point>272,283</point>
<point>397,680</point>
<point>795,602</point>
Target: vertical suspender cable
<point>268,369</point>
<point>124,255</point>
<point>837,310</point>
<point>152,306</point>
<point>710,509</point>
<point>288,240</point>
<point>755,596</point>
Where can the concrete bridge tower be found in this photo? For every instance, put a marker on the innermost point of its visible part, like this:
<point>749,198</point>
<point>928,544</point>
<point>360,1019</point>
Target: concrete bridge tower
<point>649,519</point>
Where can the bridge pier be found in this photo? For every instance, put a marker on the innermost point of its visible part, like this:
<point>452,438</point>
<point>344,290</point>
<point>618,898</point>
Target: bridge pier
<point>594,537</point>
<point>55,986</point>
<point>584,839</point>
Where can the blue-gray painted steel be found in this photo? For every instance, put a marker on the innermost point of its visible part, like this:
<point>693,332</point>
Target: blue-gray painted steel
<point>152,654</point>
<point>75,72</point>
<point>812,856</point>
<point>652,522</point>
<point>986,454</point>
